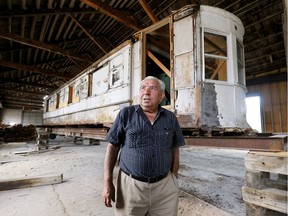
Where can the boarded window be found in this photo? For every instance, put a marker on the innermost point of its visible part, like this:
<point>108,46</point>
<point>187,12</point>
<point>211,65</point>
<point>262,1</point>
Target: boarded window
<point>116,70</point>
<point>83,87</point>
<point>70,95</point>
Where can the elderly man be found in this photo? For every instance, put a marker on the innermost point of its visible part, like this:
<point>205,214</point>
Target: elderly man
<point>149,137</point>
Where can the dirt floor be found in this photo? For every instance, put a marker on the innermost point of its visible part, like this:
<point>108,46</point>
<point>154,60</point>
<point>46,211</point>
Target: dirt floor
<point>210,180</point>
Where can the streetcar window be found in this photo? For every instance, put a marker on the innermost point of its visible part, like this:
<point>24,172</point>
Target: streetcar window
<point>215,54</point>
<point>240,63</point>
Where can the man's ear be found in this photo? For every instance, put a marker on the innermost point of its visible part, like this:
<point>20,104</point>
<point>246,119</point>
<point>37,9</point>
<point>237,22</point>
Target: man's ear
<point>162,95</point>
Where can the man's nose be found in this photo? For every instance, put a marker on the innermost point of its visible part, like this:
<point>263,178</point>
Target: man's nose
<point>147,90</point>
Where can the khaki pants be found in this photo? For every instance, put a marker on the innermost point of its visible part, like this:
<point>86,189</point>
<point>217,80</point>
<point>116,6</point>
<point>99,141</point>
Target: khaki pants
<point>146,199</point>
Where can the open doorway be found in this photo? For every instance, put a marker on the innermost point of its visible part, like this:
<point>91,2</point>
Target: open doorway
<point>253,115</point>
<point>156,56</point>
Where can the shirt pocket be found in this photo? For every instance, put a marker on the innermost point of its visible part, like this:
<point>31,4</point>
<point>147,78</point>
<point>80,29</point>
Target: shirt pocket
<point>137,138</point>
<point>167,136</point>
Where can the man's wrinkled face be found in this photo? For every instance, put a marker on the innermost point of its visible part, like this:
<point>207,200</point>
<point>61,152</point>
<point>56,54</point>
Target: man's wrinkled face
<point>150,94</point>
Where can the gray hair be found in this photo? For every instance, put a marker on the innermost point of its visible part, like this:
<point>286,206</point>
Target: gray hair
<point>161,83</point>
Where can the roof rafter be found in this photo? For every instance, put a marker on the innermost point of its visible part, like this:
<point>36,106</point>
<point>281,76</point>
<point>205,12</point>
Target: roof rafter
<point>86,31</point>
<point>23,103</point>
<point>28,83</point>
<point>41,45</point>
<point>114,13</point>
<point>34,100</point>
<point>21,13</point>
<point>148,11</point>
<point>33,69</point>
<point>23,92</point>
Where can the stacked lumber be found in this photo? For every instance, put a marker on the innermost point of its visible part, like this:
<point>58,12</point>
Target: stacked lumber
<point>265,189</point>
<point>17,133</point>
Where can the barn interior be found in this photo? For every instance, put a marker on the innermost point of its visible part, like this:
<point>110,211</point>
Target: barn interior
<point>46,43</point>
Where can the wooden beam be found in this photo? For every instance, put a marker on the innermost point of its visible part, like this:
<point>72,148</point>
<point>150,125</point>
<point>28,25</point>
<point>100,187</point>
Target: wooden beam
<point>215,46</point>
<point>22,92</point>
<point>41,45</point>
<point>86,31</point>
<point>270,198</point>
<point>271,143</point>
<point>162,44</point>
<point>148,11</point>
<point>275,162</point>
<point>5,80</point>
<point>45,12</point>
<point>33,69</point>
<point>32,100</point>
<point>22,103</point>
<point>10,184</point>
<point>113,13</point>
<point>159,63</point>
<point>270,16</point>
<point>277,77</point>
<point>92,133</point>
<point>218,69</point>
<point>10,106</point>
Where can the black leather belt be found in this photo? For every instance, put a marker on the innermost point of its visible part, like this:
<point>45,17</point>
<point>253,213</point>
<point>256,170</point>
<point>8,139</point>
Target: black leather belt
<point>147,180</point>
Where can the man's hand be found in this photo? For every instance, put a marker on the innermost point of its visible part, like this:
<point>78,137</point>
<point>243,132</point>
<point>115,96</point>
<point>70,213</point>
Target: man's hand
<point>108,194</point>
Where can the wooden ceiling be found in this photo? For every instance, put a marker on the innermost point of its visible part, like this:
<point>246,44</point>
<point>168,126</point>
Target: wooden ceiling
<point>44,43</point>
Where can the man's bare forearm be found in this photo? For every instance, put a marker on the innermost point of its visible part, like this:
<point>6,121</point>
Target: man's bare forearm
<point>175,161</point>
<point>110,161</point>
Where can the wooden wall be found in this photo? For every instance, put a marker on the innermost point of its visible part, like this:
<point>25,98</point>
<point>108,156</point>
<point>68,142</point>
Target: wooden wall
<point>273,98</point>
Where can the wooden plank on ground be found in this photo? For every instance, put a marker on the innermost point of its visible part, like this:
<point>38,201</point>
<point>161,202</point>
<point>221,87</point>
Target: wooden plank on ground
<point>191,205</point>
<point>9,161</point>
<point>36,151</point>
<point>274,162</point>
<point>9,184</point>
<point>270,198</point>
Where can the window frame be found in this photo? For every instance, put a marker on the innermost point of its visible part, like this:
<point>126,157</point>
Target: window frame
<point>204,55</point>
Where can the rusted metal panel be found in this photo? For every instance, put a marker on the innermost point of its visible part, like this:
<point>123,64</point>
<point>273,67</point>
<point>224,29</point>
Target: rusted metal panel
<point>277,143</point>
<point>210,110</point>
<point>186,121</point>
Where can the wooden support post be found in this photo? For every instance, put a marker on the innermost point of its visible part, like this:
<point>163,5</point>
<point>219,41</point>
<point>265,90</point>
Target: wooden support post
<point>42,139</point>
<point>270,198</point>
<point>262,194</point>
